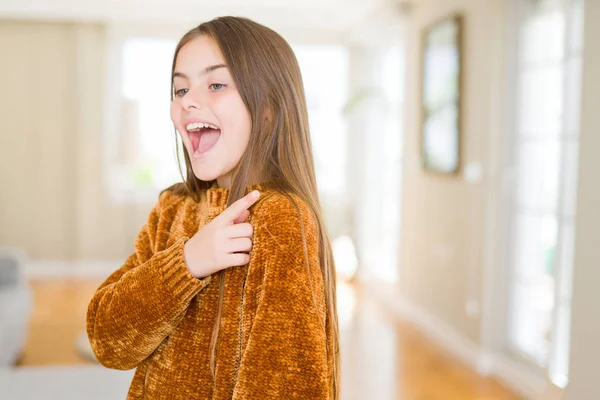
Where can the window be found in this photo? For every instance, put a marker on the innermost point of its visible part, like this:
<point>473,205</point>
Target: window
<point>142,156</point>
<point>325,76</point>
<point>142,159</point>
<point>385,181</point>
<point>545,159</point>
<point>380,154</point>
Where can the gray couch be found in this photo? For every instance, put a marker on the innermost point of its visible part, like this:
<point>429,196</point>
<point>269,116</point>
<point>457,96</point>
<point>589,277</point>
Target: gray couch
<point>16,304</point>
<point>71,382</point>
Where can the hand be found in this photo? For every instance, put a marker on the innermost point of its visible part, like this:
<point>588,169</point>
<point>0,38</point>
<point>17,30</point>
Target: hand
<point>222,243</point>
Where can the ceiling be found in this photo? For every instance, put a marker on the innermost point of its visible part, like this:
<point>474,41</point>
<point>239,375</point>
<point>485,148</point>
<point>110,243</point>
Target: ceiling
<point>310,17</point>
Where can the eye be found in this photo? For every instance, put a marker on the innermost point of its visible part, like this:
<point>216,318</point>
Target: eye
<point>181,92</point>
<point>217,87</point>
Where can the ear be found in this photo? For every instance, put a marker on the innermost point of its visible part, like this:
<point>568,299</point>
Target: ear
<point>268,115</point>
<point>267,119</point>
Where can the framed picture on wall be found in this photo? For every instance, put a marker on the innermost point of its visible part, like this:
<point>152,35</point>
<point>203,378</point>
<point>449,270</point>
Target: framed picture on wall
<point>440,96</point>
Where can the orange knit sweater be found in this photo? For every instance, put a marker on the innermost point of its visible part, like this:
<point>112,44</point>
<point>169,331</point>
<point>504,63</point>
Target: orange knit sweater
<point>153,315</point>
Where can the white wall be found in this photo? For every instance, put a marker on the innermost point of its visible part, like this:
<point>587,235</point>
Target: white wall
<point>53,201</point>
<point>59,75</point>
<point>444,217</point>
<point>585,326</point>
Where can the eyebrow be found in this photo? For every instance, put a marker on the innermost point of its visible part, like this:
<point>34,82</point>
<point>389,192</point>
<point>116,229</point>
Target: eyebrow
<point>205,71</point>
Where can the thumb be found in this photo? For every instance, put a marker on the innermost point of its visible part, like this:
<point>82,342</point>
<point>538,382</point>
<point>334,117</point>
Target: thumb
<point>242,217</point>
<point>235,210</point>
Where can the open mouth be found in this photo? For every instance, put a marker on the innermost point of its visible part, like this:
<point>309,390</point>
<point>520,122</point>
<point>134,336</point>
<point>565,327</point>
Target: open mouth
<point>203,137</point>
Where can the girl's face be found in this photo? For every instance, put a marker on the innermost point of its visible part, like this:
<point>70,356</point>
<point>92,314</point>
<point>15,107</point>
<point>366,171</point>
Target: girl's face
<point>208,111</point>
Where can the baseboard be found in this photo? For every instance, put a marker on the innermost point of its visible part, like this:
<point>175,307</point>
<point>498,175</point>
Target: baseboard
<point>521,379</point>
<point>71,269</point>
<point>516,376</point>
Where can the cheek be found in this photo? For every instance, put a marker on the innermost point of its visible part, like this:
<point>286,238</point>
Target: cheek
<point>234,111</point>
<point>246,129</point>
<point>175,113</point>
<point>243,129</point>
<point>176,118</point>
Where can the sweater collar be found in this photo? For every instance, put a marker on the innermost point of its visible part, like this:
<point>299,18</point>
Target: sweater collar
<point>217,197</point>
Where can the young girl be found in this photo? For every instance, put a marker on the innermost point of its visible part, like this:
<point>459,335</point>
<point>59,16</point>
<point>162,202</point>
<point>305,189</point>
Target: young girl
<point>230,292</point>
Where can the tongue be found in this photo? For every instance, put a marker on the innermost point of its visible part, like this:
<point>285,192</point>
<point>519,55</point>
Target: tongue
<point>208,139</point>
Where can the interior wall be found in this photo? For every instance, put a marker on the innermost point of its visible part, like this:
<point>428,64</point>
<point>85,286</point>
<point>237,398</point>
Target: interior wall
<point>54,202</point>
<point>444,218</point>
<point>37,100</point>
<point>58,77</point>
<point>585,324</point>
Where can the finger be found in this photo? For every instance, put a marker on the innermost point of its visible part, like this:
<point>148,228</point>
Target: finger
<point>239,245</point>
<point>233,211</point>
<point>242,217</point>
<point>239,231</point>
<point>238,259</point>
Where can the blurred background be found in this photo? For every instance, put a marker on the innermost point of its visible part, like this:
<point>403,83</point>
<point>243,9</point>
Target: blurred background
<point>454,144</point>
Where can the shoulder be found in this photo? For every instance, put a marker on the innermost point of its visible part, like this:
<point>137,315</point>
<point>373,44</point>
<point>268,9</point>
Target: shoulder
<point>169,202</point>
<point>172,196</point>
<point>285,213</point>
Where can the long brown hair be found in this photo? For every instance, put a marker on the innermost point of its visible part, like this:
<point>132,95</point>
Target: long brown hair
<point>268,78</point>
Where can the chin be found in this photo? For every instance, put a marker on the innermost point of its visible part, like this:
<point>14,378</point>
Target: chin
<point>205,174</point>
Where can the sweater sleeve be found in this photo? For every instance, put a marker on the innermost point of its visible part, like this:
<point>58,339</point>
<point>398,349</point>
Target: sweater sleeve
<point>141,303</point>
<point>284,355</point>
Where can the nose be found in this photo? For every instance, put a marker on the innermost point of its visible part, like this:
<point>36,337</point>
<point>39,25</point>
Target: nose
<point>192,100</point>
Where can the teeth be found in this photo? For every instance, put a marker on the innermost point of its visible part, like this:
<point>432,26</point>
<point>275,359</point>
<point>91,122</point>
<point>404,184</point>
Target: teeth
<point>199,125</point>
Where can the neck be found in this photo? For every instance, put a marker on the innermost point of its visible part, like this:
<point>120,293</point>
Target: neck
<point>224,181</point>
